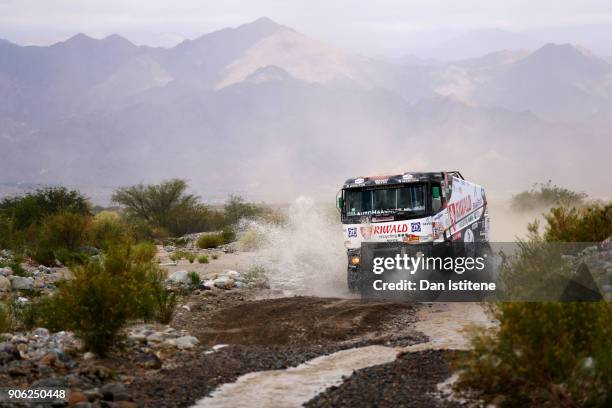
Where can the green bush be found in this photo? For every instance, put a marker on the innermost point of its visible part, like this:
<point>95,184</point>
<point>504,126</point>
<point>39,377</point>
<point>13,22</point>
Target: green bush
<point>190,256</point>
<point>105,294</point>
<point>167,207</point>
<point>6,317</point>
<point>544,352</point>
<point>194,279</point>
<point>65,230</point>
<point>228,235</point>
<point>32,208</point>
<point>547,353</point>
<point>15,266</point>
<point>144,251</point>
<point>165,301</point>
<point>211,240</point>
<point>590,223</point>
<point>203,259</point>
<point>108,229</point>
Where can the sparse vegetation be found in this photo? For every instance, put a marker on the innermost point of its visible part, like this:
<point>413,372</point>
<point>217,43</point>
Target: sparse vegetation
<point>210,240</point>
<point>194,279</point>
<point>104,295</point>
<point>203,259</point>
<point>215,256</point>
<point>546,353</point>
<point>546,195</point>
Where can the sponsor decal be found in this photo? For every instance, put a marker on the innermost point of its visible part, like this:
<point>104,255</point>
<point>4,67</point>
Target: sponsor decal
<point>407,177</point>
<point>411,238</point>
<point>352,232</point>
<point>367,232</point>
<point>415,227</point>
<point>459,208</point>
<point>359,181</point>
<point>381,181</point>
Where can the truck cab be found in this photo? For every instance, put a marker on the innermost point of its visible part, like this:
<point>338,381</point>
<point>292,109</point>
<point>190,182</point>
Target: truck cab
<point>427,208</point>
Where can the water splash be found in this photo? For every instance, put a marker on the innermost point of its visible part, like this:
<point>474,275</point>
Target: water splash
<point>306,254</point>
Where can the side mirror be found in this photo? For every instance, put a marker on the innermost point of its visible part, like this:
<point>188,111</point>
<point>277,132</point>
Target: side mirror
<point>340,202</point>
<point>435,192</point>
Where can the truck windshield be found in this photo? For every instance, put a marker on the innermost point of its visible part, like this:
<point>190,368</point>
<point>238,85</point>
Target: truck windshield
<point>409,199</point>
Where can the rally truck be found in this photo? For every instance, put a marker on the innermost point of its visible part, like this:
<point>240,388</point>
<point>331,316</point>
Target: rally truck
<point>434,210</point>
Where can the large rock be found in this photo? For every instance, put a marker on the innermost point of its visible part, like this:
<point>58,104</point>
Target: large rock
<point>224,282</point>
<point>22,283</point>
<point>232,274</point>
<point>179,277</point>
<point>185,342</point>
<point>6,271</point>
<point>5,284</point>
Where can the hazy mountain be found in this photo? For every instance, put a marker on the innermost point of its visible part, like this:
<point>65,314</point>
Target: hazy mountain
<point>268,111</point>
<point>558,82</point>
<point>476,43</point>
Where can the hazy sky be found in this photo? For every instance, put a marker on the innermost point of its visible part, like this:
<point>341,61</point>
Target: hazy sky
<point>368,27</point>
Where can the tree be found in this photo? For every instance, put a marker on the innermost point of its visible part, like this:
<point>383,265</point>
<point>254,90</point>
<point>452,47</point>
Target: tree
<point>158,204</point>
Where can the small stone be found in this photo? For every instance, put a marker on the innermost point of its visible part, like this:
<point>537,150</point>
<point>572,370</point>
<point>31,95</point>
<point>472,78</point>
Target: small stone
<point>224,282</point>
<point>76,397</point>
<point>232,274</point>
<point>93,394</point>
<point>156,337</point>
<point>5,284</point>
<point>114,391</point>
<point>89,356</point>
<point>149,361</point>
<point>49,359</point>
<point>41,332</point>
<point>186,342</point>
<point>179,277</point>
<point>21,283</point>
<point>6,271</point>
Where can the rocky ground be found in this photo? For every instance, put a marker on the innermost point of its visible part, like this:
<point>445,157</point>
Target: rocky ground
<point>411,380</point>
<point>233,324</point>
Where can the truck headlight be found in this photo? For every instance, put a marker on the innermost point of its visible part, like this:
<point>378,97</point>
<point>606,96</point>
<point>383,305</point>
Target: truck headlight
<point>355,260</point>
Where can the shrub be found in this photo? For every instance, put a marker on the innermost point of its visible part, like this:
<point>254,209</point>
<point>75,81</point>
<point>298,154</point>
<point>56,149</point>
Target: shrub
<point>165,301</point>
<point>546,195</point>
<point>167,207</point>
<point>144,252</point>
<point>190,256</point>
<point>15,266</point>
<point>32,208</point>
<point>215,256</point>
<point>211,240</point>
<point>251,239</point>
<point>108,229</point>
<point>194,279</point>
<point>590,223</point>
<point>228,235</point>
<point>6,317</point>
<point>544,352</point>
<point>203,259</point>
<point>65,230</point>
<point>106,293</point>
<point>549,353</point>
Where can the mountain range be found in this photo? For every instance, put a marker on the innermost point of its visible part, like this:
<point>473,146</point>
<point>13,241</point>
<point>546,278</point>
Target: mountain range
<point>264,110</point>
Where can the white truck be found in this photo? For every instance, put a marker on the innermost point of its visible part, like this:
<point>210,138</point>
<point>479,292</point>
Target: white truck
<point>434,208</point>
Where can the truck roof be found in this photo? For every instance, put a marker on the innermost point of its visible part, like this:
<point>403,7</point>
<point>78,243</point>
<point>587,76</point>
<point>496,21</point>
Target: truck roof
<point>407,177</point>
